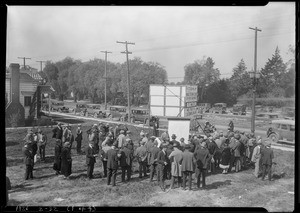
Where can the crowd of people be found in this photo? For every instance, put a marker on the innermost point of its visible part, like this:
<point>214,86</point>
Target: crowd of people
<point>163,157</point>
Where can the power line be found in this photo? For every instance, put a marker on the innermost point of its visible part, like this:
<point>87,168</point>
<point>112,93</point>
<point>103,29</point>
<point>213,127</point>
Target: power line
<point>24,58</point>
<point>128,76</point>
<point>105,75</point>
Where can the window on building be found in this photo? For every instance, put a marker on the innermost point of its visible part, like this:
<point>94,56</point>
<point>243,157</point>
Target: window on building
<point>27,100</point>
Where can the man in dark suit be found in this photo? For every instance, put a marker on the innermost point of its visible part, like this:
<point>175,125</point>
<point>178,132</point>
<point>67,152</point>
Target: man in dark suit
<point>203,158</point>
<point>90,159</point>
<point>58,132</point>
<point>153,159</point>
<point>187,165</point>
<point>267,156</point>
<point>78,139</point>
<point>161,167</point>
<point>112,164</point>
<point>28,160</point>
<point>126,161</point>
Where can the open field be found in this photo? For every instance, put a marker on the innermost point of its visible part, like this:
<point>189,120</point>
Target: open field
<point>231,190</point>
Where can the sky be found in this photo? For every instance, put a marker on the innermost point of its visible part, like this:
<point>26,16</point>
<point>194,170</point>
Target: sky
<point>172,36</point>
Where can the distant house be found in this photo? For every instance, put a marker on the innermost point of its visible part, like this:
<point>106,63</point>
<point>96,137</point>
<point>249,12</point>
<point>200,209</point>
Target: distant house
<point>23,89</point>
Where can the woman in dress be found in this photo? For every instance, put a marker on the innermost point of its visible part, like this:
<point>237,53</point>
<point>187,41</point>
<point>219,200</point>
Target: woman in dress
<point>66,160</point>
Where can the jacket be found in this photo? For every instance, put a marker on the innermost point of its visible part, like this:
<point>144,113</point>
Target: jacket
<point>57,133</point>
<point>126,157</point>
<point>90,159</point>
<point>121,140</point>
<point>154,154</point>
<point>162,158</point>
<point>202,157</point>
<point>28,157</point>
<point>256,154</point>
<point>141,154</point>
<point>176,158</point>
<point>266,156</point>
<point>78,135</point>
<point>188,161</point>
<point>112,159</point>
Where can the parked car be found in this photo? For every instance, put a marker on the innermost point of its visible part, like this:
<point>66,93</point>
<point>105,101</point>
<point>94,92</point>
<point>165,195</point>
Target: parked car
<point>58,106</point>
<point>219,108</point>
<point>239,109</point>
<point>282,131</point>
<point>93,110</point>
<point>117,113</point>
<point>81,109</point>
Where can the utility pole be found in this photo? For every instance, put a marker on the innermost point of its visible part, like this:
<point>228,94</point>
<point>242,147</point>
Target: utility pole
<point>105,74</point>
<point>41,62</point>
<point>254,79</point>
<point>128,77</point>
<point>24,61</point>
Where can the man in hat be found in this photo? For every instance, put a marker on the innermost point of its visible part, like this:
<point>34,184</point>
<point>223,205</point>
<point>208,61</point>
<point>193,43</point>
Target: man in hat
<point>153,159</point>
<point>117,130</point>
<point>78,139</point>
<point>212,148</point>
<point>130,144</point>
<point>29,136</point>
<point>94,138</point>
<point>161,167</point>
<point>126,161</point>
<point>267,156</point>
<point>42,141</point>
<point>57,156</point>
<point>103,152</point>
<point>90,159</point>
<point>121,139</point>
<point>28,160</point>
<point>141,156</point>
<point>112,164</point>
<point>236,149</point>
<point>256,156</point>
<point>108,140</point>
<point>169,150</point>
<point>175,159</point>
<point>68,136</point>
<point>174,140</point>
<point>187,166</point>
<point>202,158</point>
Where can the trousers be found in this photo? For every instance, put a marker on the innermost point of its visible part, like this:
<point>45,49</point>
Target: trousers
<point>153,168</point>
<point>42,152</point>
<point>126,169</point>
<point>266,169</point>
<point>200,172</point>
<point>161,174</point>
<point>28,172</point>
<point>188,174</point>
<point>90,170</point>
<point>111,176</point>
<point>142,168</point>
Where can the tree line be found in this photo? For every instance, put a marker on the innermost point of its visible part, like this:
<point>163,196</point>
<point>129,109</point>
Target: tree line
<point>86,80</point>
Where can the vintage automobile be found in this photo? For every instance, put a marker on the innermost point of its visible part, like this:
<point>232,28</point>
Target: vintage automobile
<point>141,114</point>
<point>219,108</point>
<point>117,113</point>
<point>282,131</point>
<point>239,109</point>
<point>93,110</point>
<point>81,109</point>
<point>58,106</point>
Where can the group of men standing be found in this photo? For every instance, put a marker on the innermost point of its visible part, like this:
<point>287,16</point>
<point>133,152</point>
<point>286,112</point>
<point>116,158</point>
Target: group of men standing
<point>164,156</point>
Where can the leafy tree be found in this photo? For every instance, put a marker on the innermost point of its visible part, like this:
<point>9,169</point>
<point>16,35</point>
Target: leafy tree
<point>240,81</point>
<point>272,73</point>
<point>201,73</point>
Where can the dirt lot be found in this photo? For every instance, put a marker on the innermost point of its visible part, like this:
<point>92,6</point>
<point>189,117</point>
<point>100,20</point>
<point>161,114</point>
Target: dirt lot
<point>232,190</point>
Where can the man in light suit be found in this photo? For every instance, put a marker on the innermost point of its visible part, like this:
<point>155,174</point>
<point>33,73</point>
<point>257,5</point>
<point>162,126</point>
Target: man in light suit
<point>256,155</point>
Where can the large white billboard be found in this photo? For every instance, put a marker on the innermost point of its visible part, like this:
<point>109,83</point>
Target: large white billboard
<point>179,127</point>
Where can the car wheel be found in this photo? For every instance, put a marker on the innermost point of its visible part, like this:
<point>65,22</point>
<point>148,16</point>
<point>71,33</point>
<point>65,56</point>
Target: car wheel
<point>274,137</point>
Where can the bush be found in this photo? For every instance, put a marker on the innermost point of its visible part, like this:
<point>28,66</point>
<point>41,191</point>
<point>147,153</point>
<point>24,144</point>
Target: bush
<point>14,119</point>
<point>29,120</point>
<point>45,122</point>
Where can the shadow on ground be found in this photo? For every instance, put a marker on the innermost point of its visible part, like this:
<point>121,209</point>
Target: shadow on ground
<point>24,187</point>
<point>218,184</point>
<point>12,143</point>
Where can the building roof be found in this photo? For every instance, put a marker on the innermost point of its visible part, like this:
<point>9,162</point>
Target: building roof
<point>23,77</point>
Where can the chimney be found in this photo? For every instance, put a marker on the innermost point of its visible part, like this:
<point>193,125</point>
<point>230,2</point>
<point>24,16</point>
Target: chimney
<point>15,83</point>
<point>15,112</point>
